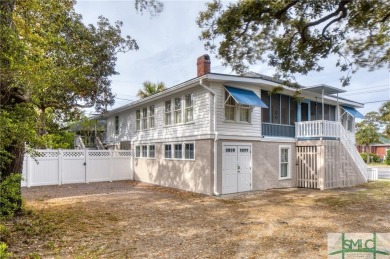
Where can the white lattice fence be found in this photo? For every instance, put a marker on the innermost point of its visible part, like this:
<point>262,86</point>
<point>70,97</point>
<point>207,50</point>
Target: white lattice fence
<point>52,167</point>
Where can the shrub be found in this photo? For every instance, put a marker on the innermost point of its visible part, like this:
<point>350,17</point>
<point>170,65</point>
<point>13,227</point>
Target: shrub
<point>373,157</point>
<point>387,158</point>
<point>3,250</point>
<point>10,196</point>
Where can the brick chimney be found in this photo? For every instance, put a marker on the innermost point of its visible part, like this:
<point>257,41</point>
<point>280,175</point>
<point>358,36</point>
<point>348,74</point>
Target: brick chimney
<point>203,64</point>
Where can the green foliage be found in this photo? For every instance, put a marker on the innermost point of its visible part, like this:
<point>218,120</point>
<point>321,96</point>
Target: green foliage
<point>10,196</point>
<point>387,158</point>
<point>63,140</point>
<point>3,251</point>
<point>150,89</point>
<point>373,157</point>
<point>293,36</point>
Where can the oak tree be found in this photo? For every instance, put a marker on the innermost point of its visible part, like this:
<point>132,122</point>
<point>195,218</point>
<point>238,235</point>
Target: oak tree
<point>294,35</point>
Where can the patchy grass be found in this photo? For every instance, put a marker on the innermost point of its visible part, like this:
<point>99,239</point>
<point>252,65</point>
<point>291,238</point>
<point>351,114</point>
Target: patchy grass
<point>141,221</point>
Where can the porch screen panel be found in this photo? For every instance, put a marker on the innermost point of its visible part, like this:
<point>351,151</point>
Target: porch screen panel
<point>332,113</point>
<point>265,112</point>
<point>326,112</point>
<point>293,111</point>
<point>304,112</point>
<point>275,108</point>
<point>284,109</point>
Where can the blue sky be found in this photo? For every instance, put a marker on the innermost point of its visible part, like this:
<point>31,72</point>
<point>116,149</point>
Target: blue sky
<point>169,46</point>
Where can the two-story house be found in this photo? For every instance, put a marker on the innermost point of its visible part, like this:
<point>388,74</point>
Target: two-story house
<point>219,134</point>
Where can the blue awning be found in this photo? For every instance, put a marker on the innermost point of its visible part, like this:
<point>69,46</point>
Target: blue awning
<point>353,112</point>
<point>245,97</point>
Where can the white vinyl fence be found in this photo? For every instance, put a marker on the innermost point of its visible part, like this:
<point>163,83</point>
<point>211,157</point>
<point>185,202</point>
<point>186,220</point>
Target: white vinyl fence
<point>56,167</point>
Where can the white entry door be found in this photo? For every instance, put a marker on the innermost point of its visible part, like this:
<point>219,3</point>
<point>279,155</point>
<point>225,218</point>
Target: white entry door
<point>236,168</point>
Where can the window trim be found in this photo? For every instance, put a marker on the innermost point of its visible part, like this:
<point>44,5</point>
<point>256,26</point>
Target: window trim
<point>178,111</point>
<point>184,149</point>
<point>137,155</point>
<point>152,157</point>
<point>289,148</point>
<point>144,118</point>
<point>188,108</point>
<point>236,110</point>
<point>138,126</point>
<point>116,124</point>
<point>152,117</point>
<point>172,144</point>
<point>168,114</point>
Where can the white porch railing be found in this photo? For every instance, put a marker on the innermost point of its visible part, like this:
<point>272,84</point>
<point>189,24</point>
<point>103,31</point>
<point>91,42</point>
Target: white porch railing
<point>318,128</point>
<point>332,129</point>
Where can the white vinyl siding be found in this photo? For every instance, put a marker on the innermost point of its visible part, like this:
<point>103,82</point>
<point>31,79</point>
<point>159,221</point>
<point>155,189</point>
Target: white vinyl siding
<point>200,126</point>
<point>233,127</point>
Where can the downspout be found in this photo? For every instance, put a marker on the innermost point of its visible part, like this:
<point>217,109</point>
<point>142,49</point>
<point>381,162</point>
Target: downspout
<point>215,134</point>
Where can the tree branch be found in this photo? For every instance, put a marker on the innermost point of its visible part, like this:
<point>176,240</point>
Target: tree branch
<point>387,16</point>
<point>344,13</point>
<point>279,13</point>
<point>341,8</point>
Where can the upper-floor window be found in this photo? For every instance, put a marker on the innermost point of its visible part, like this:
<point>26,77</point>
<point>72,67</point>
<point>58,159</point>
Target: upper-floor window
<point>244,113</point>
<point>189,108</point>
<point>117,125</point>
<point>230,107</point>
<point>151,116</point>
<point>178,110</point>
<point>138,120</point>
<point>168,112</point>
<point>144,118</point>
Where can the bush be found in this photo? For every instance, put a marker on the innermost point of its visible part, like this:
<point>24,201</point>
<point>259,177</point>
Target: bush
<point>3,250</point>
<point>387,158</point>
<point>373,157</point>
<point>10,196</point>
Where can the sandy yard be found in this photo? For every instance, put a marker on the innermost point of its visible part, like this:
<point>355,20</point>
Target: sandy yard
<point>135,220</point>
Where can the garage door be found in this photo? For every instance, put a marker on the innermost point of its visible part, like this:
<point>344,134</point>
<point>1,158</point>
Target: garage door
<point>236,168</point>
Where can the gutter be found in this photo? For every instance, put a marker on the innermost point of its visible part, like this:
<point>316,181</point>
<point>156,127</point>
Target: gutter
<point>213,93</point>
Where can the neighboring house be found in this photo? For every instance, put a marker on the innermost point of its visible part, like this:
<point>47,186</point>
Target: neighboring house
<point>379,149</point>
<point>219,134</point>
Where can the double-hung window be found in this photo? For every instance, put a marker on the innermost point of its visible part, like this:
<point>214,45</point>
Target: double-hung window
<point>178,151</point>
<point>144,151</point>
<point>178,110</point>
<point>152,151</point>
<point>189,108</point>
<point>189,151</point>
<point>284,162</point>
<point>151,116</point>
<point>244,113</point>
<point>168,151</point>
<point>116,125</point>
<point>230,107</point>
<point>138,120</point>
<point>144,118</point>
<point>137,151</point>
<point>168,112</point>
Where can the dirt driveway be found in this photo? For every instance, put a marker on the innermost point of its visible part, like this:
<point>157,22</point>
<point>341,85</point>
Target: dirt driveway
<point>131,219</point>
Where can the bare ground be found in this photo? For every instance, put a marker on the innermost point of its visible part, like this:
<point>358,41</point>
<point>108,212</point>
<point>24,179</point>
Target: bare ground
<point>136,220</point>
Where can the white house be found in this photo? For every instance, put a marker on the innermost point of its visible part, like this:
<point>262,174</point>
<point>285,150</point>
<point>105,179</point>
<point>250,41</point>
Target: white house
<point>218,134</point>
